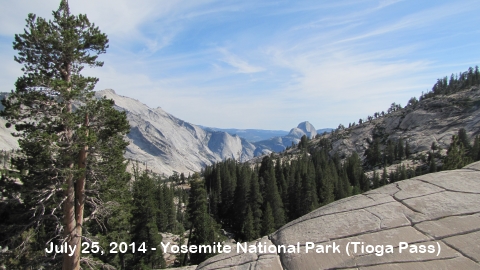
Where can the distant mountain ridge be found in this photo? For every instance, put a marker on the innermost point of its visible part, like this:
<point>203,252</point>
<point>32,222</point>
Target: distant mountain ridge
<point>279,144</point>
<point>251,135</point>
<point>165,144</point>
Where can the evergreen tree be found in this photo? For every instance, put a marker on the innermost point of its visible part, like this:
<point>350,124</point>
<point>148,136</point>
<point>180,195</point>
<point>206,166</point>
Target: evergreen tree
<point>390,152</point>
<point>374,155</point>
<point>407,150</point>
<point>203,227</point>
<point>393,176</point>
<point>256,202</point>
<point>162,215</point>
<point>144,225</point>
<point>241,198</point>
<point>248,229</point>
<point>400,149</point>
<point>375,180</point>
<point>60,146</point>
<point>475,154</point>
<point>281,181</point>
<point>114,216</point>
<point>309,199</point>
<point>326,186</point>
<point>271,193</point>
<point>268,222</point>
<point>433,164</point>
<point>384,177</point>
<point>434,147</point>
<point>456,155</point>
<point>463,139</point>
<point>402,173</point>
<point>170,210</point>
<point>303,142</point>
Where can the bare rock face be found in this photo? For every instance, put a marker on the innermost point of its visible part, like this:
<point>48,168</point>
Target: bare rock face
<point>164,143</point>
<point>433,120</point>
<point>308,129</point>
<point>427,222</point>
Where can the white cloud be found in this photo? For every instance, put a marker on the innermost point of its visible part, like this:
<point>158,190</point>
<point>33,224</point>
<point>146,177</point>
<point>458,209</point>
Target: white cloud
<point>241,65</point>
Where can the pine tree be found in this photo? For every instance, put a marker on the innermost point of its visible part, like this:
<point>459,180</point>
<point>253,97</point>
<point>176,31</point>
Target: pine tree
<point>114,217</point>
<point>433,164</point>
<point>248,229</point>
<point>309,199</point>
<point>400,149</point>
<point>463,139</point>
<point>456,155</point>
<point>303,142</point>
<point>272,195</point>
<point>162,215</point>
<point>407,150</point>
<point>326,187</point>
<point>281,181</point>
<point>390,152</point>
<point>475,154</point>
<point>241,198</point>
<point>256,201</point>
<point>144,224</point>
<point>375,180</point>
<point>203,227</point>
<point>268,222</point>
<point>170,210</point>
<point>61,146</point>
<point>384,177</point>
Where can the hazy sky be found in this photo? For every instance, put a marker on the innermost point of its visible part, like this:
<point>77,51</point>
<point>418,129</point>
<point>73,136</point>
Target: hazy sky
<point>267,64</point>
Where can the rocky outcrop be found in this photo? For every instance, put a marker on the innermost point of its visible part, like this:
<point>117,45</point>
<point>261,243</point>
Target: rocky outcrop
<point>427,222</point>
<point>432,120</point>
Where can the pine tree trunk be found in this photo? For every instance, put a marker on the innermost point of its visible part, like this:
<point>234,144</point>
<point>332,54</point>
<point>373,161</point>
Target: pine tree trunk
<point>70,262</point>
<point>74,204</point>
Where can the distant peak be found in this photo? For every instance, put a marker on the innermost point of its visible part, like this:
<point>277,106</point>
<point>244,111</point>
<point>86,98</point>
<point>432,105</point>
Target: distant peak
<point>105,91</point>
<point>304,124</point>
<point>308,129</point>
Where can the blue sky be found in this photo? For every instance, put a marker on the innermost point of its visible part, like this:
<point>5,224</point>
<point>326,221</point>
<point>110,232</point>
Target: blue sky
<point>268,64</point>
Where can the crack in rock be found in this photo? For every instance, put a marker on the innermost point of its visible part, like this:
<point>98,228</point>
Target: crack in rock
<point>447,189</point>
<point>278,254</point>
<point>459,251</point>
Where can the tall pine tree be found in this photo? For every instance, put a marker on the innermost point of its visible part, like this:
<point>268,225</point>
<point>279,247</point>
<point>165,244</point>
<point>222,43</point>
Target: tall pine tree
<point>64,132</point>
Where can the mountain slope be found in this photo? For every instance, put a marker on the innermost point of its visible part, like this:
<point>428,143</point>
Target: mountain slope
<point>166,144</point>
<point>251,135</point>
<point>431,120</point>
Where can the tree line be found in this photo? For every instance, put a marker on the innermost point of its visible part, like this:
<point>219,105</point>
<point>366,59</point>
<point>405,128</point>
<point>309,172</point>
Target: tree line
<point>252,201</point>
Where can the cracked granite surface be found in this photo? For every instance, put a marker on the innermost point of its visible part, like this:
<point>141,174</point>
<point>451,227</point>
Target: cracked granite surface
<point>440,210</point>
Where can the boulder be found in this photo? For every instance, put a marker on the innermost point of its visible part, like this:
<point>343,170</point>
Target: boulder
<point>427,222</point>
